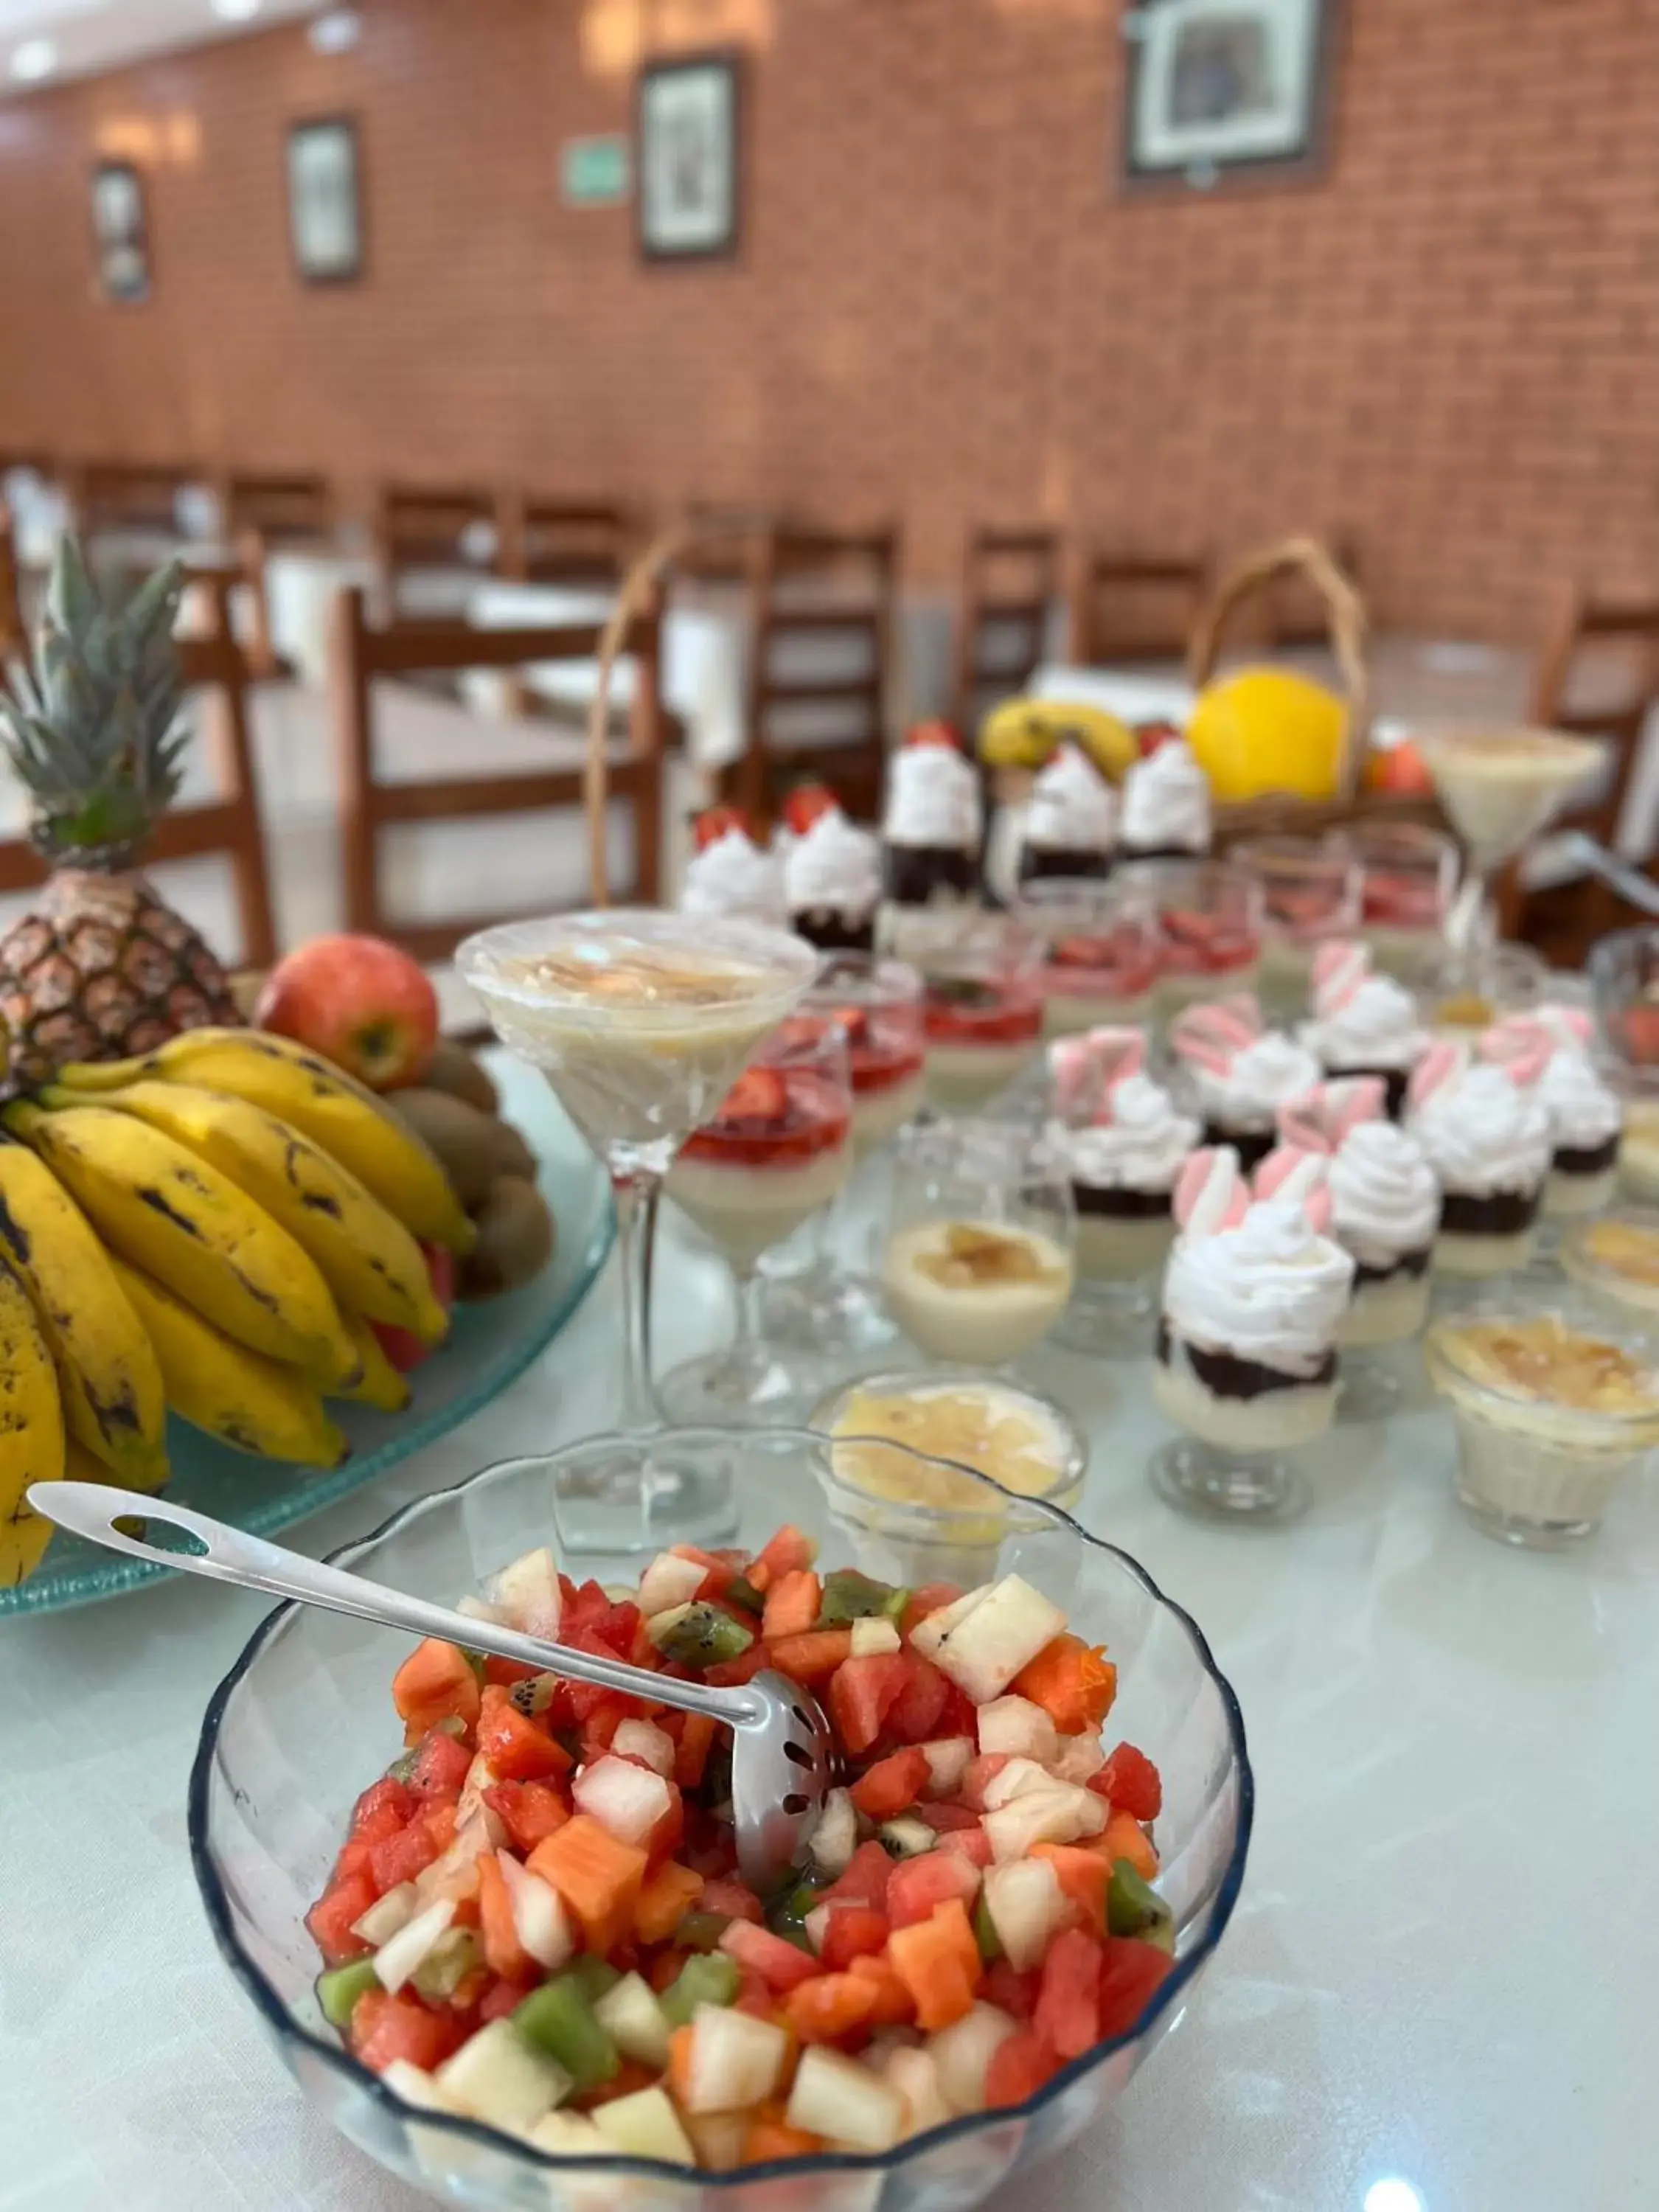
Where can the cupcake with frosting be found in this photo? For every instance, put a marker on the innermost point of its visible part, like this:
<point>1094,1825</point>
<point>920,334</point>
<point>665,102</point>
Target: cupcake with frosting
<point>1550,1047</point>
<point>1166,806</point>
<point>932,827</point>
<point>1125,1142</point>
<point>1385,1204</point>
<point>832,876</point>
<point>1071,820</point>
<point>1486,1136</point>
<point>1363,1024</point>
<point>1254,1298</point>
<point>730,874</point>
<point>1239,1073</point>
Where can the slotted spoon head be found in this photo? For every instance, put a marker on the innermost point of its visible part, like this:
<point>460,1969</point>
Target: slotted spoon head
<point>783,1767</point>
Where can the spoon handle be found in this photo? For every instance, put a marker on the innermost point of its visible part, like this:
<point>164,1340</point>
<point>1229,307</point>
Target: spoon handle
<point>91,1508</point>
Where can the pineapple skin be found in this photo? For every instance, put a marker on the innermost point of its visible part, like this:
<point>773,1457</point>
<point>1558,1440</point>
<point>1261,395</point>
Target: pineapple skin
<point>101,968</point>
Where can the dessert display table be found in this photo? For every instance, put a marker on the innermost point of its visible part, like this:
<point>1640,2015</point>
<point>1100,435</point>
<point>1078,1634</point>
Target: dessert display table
<point>1435,1993</point>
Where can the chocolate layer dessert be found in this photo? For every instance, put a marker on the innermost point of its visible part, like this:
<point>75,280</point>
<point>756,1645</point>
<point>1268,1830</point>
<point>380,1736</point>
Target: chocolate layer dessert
<point>1585,1159</point>
<point>1252,1145</point>
<point>1393,1079</point>
<point>920,875</point>
<point>1493,1213</point>
<point>1415,1264</point>
<point>1037,861</point>
<point>1120,1204</point>
<point>1230,1376</point>
<point>830,931</point>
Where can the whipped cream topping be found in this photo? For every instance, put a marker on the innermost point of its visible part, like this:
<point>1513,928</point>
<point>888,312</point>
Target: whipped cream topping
<point>1384,1199</point>
<point>836,866</point>
<point>1272,1290</point>
<point>733,876</point>
<point>1376,1027</point>
<point>1481,1133</point>
<point>1073,808</point>
<point>1142,1147</point>
<point>1583,1111</point>
<point>1166,800</point>
<point>1260,1077</point>
<point>932,798</point>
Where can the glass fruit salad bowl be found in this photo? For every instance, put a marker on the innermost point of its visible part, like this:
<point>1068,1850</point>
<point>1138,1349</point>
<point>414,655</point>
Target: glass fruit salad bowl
<point>911,2021</point>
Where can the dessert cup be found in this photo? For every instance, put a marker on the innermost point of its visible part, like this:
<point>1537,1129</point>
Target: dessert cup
<point>832,882</point>
<point>1499,789</point>
<point>931,832</point>
<point>1310,895</point>
<point>1236,1075</point>
<point>1098,948</point>
<point>1638,1155</point>
<point>982,1016</point>
<point>1408,875</point>
<point>1551,1413</point>
<point>1166,806</point>
<point>1071,821</point>
<point>1467,990</point>
<point>1362,1023</point>
<point>1487,1139</point>
<point>1614,1261</point>
<point>1209,927</point>
<point>1624,974</point>
<point>731,878</point>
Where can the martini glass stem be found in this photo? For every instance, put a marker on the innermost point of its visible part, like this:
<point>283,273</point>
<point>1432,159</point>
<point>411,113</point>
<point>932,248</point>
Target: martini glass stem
<point>635,1191</point>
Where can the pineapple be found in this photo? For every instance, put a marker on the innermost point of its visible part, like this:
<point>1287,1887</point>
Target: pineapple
<point>99,968</point>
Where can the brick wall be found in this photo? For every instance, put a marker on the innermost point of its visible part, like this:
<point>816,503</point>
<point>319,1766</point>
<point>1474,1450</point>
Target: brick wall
<point>1447,348</point>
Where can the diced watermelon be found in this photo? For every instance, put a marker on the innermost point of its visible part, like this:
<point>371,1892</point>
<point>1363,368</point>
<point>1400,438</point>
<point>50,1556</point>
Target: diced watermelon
<point>862,1692</point>
<point>792,1604</point>
<point>1129,1780</point>
<point>986,1768</point>
<point>502,1998</point>
<point>514,1746</point>
<point>780,1965</point>
<point>944,1819</point>
<point>785,1553</point>
<point>1130,1972</point>
<point>735,1900</point>
<point>441,1765</point>
<point>530,1811</point>
<point>729,1673</point>
<point>401,1858</point>
<point>916,1713</point>
<point>970,1843</point>
<point>384,1808</point>
<point>916,1887</point>
<point>1019,2066</point>
<point>812,1657</point>
<point>891,1785</point>
<point>345,1900</point>
<point>864,1881</point>
<point>852,1931</point>
<point>1012,1992</point>
<point>385,2027</point>
<point>928,1598</point>
<point>593,1613</point>
<point>1067,2014</point>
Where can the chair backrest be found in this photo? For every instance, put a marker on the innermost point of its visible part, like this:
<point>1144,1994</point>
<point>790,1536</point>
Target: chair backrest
<point>296,509</point>
<point>578,541</point>
<point>128,495</point>
<point>1009,580</point>
<point>360,654</point>
<point>229,826</point>
<point>1131,606</point>
<point>453,526</point>
<point>1583,629</point>
<point>821,664</point>
<point>12,632</point>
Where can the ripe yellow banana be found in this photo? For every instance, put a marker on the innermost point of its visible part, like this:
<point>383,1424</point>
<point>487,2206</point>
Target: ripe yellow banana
<point>1025,733</point>
<point>239,1396</point>
<point>380,1385</point>
<point>368,1258</point>
<point>107,1373</point>
<point>185,1223</point>
<point>350,1123</point>
<point>31,1430</point>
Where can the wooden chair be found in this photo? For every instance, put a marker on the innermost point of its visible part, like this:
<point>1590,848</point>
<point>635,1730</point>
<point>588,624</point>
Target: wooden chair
<point>280,510</point>
<point>549,541</point>
<point>120,496</point>
<point>229,826</point>
<point>359,654</point>
<point>1131,607</point>
<point>13,632</point>
<point>809,587</point>
<point>418,529</point>
<point>1009,578</point>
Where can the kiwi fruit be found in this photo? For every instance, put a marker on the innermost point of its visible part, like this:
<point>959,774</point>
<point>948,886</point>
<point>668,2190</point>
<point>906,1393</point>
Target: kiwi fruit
<point>452,1069</point>
<point>466,1142</point>
<point>515,1239</point>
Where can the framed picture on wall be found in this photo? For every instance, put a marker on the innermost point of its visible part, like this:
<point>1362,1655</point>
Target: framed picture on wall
<point>1220,90</point>
<point>688,157</point>
<point>324,200</point>
<point>120,230</point>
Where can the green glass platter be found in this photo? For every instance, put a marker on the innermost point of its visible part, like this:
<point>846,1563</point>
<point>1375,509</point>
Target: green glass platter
<point>488,1347</point>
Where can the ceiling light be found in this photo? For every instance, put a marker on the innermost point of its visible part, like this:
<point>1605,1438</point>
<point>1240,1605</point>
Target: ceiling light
<point>337,32</point>
<point>237,11</point>
<point>35,59</point>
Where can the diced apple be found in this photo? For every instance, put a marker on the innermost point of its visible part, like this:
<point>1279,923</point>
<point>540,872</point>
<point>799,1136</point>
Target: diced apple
<point>931,1631</point>
<point>1003,1632</point>
<point>1063,1814</point>
<point>719,2137</point>
<point>1078,1758</point>
<point>914,2074</point>
<point>836,2096</point>
<point>539,1919</point>
<point>873,1638</point>
<point>499,2078</point>
<point>568,2134</point>
<point>1016,1725</point>
<point>737,2060</point>
<point>645,2125</point>
<point>409,1949</point>
<point>626,1800</point>
<point>947,1757</point>
<point>527,1595</point>
<point>836,1838</point>
<point>644,1741</point>
<point>1021,1777</point>
<point>963,2053</point>
<point>388,1915</point>
<point>634,2021</point>
<point>1027,1905</point>
<point>669,1581</point>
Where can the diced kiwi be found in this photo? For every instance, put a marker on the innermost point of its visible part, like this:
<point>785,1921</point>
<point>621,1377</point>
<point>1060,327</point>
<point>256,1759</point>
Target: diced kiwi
<point>558,2019</point>
<point>849,1595</point>
<point>597,1976</point>
<point>700,1931</point>
<point>699,1634</point>
<point>1134,1907</point>
<point>712,1977</point>
<point>515,1239</point>
<point>985,1931</point>
<point>339,1989</point>
<point>906,1838</point>
<point>741,1591</point>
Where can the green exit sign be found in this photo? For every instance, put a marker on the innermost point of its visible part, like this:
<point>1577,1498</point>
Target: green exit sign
<point>593,171</point>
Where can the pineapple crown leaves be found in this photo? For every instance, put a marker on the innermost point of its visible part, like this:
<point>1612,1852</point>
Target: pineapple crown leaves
<point>90,729</point>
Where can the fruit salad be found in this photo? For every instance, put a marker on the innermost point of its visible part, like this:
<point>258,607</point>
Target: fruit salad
<point>537,1922</point>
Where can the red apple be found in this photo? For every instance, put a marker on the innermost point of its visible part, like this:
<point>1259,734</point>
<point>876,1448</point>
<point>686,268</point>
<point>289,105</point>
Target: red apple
<point>401,1347</point>
<point>360,1002</point>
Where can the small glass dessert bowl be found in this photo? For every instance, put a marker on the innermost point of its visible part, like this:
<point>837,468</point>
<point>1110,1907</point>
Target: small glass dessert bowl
<point>979,1264</point>
<point>1311,893</point>
<point>1487,1139</point>
<point>1236,1074</point>
<point>1551,1412</point>
<point>1408,874</point>
<point>1615,1262</point>
<point>1209,928</point>
<point>1623,972</point>
<point>1099,950</point>
<point>1549,1049</point>
<point>982,1015</point>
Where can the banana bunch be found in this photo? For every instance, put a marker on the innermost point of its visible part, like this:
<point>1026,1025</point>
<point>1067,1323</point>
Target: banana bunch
<point>215,1227</point>
<point>1027,732</point>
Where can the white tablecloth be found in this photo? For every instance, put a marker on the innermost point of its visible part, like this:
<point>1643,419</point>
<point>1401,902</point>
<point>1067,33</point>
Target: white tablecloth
<point>1441,1973</point>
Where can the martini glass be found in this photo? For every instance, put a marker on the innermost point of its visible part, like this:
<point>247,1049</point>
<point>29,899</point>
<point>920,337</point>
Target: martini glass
<point>641,1021</point>
<point>1499,788</point>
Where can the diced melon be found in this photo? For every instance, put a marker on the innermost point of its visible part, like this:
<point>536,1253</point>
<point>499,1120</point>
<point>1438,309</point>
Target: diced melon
<point>388,1915</point>
<point>1027,1905</point>
<point>634,2021</point>
<point>1019,1778</point>
<point>453,1873</point>
<point>1063,1814</point>
<point>627,1801</point>
<point>413,1942</point>
<point>645,1740</point>
<point>669,1581</point>
<point>835,1837</point>
<point>963,2053</point>
<point>1016,1725</point>
<point>930,1632</point>
<point>568,2134</point>
<point>1003,1632</point>
<point>948,1759</point>
<point>528,1595</point>
<point>539,1919</point>
<point>736,2061</point>
<point>416,2086</point>
<point>1078,1758</point>
<point>836,2096</point>
<point>875,1636</point>
<point>645,2125</point>
<point>476,1608</point>
<point>499,2078</point>
<point>480,1775</point>
<point>817,1924</point>
<point>914,2074</point>
<point>720,2138</point>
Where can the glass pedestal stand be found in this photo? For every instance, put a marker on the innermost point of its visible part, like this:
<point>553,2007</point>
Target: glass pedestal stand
<point>1211,1482</point>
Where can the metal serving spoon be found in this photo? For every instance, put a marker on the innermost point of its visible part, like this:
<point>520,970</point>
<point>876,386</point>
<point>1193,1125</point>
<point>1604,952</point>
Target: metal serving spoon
<point>782,1753</point>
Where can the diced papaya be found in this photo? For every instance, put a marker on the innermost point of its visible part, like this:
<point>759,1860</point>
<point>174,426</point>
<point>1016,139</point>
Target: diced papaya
<point>891,2002</point>
<point>939,1962</point>
<point>770,2136</point>
<point>891,1785</point>
<point>830,2006</point>
<point>1082,1876</point>
<point>786,1553</point>
<point>792,1604</point>
<point>503,1953</point>
<point>697,1736</point>
<point>1125,1838</point>
<point>669,1891</point>
<point>515,1748</point>
<point>598,1878</point>
<point>1073,1682</point>
<point>434,1683</point>
<point>679,2064</point>
<point>815,1656</point>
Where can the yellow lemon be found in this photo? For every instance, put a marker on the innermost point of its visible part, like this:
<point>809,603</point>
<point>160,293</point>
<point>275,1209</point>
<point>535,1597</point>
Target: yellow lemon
<point>1263,729</point>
